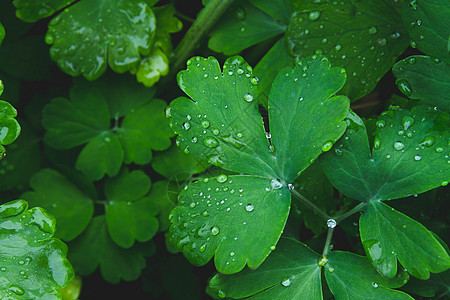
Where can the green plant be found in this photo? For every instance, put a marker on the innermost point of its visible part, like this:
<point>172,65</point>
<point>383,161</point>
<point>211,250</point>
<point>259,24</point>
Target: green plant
<point>305,177</point>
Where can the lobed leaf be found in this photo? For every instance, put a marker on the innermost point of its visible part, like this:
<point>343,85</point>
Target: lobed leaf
<point>164,194</point>
<point>305,120</point>
<point>9,127</point>
<point>437,286</point>
<point>87,36</point>
<point>365,38</point>
<point>32,11</point>
<point>34,264</point>
<point>94,248</point>
<point>60,197</point>
<point>388,235</point>
<point>427,26</point>
<point>221,124</point>
<point>409,155</point>
<point>222,216</point>
<point>350,276</point>
<point>290,272</point>
<point>424,78</point>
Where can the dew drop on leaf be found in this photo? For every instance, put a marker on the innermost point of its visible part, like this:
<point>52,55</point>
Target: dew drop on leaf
<point>275,184</point>
<point>205,124</point>
<point>210,142</point>
<point>249,207</point>
<point>372,30</point>
<point>417,157</point>
<point>331,223</point>
<point>314,15</point>
<point>428,141</point>
<point>399,146</point>
<point>186,125</point>
<point>248,97</point>
<point>327,146</point>
<point>380,123</point>
<point>215,230</point>
<point>286,282</point>
<point>222,178</point>
<point>376,143</point>
<point>374,284</point>
<point>404,87</point>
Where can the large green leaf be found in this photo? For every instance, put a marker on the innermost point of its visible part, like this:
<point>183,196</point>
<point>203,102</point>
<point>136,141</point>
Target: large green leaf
<point>424,78</point>
<point>95,248</point>
<point>388,235</point>
<point>74,122</point>
<point>89,35</point>
<point>129,214</point>
<point>243,26</point>
<point>222,123</point>
<point>364,37</point>
<point>290,272</point>
<point>9,127</point>
<point>32,11</point>
<point>409,155</point>
<point>33,263</point>
<point>222,216</point>
<point>72,208</point>
<point>436,287</point>
<point>174,164</point>
<point>350,276</point>
<point>295,94</point>
<point>427,25</point>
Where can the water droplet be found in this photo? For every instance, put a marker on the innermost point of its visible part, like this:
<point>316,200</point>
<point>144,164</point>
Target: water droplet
<point>203,248</point>
<point>16,290</point>
<point>399,146</point>
<point>254,80</point>
<point>286,282</point>
<point>338,47</point>
<point>428,141</point>
<point>374,284</point>
<point>275,184</point>
<point>194,139</point>
<point>382,42</point>
<point>215,230</point>
<point>314,15</point>
<point>222,178</point>
<point>444,183</point>
<point>221,294</point>
<point>186,125</point>
<point>324,40</point>
<point>412,60</point>
<point>211,142</point>
<point>439,149</point>
<point>249,207</point>
<point>331,269</point>
<point>376,143</point>
<point>404,87</point>
<point>331,223</point>
<point>205,124</point>
<point>388,156</point>
<point>248,97</point>
<point>407,122</point>
<point>413,5</point>
<point>417,157</point>
<point>372,30</point>
<point>395,35</point>
<point>290,186</point>
<point>338,151</point>
<point>380,123</point>
<point>327,146</point>
<point>268,135</point>
<point>3,269</point>
<point>240,13</point>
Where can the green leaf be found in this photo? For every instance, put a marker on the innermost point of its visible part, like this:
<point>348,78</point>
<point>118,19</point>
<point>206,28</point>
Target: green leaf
<point>129,215</point>
<point>73,122</point>
<point>364,37</point>
<point>72,208</point>
<point>268,67</point>
<point>72,291</point>
<point>95,248</point>
<point>424,78</point>
<point>280,10</point>
<point>408,156</point>
<point>34,264</point>
<point>438,286</point>
<point>152,67</point>
<point>222,216</point>
<point>174,164</point>
<point>2,35</point>
<point>350,276</point>
<point>164,194</point>
<point>32,11</point>
<point>243,26</point>
<point>9,127</point>
<point>290,272</point>
<point>427,26</point>
<point>102,155</point>
<point>388,235</point>
<point>295,93</point>
<point>87,36</point>
<point>145,129</point>
<point>222,123</point>
<point>121,91</point>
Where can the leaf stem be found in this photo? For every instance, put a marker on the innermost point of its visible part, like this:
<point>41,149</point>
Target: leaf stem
<point>205,20</point>
<point>326,248</point>
<point>354,210</point>
<point>311,205</point>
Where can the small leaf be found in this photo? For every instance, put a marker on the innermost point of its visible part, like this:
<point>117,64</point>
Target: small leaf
<point>424,78</point>
<point>174,164</point>
<point>295,93</point>
<point>32,11</point>
<point>75,122</point>
<point>33,263</point>
<point>350,276</point>
<point>388,235</point>
<point>2,36</point>
<point>71,207</point>
<point>243,26</point>
<point>129,215</point>
<point>102,155</point>
<point>95,248</point>
<point>152,67</point>
<point>87,36</point>
<point>427,28</point>
<point>437,286</point>
<point>9,127</point>
<point>222,123</point>
<point>362,37</point>
<point>222,216</point>
<point>290,272</point>
<point>164,194</point>
<point>408,156</point>
<point>72,291</point>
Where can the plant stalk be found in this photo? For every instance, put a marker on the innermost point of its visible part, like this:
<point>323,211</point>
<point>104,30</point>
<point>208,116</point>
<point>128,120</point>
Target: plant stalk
<point>326,248</point>
<point>354,210</point>
<point>207,17</point>
<point>311,205</point>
